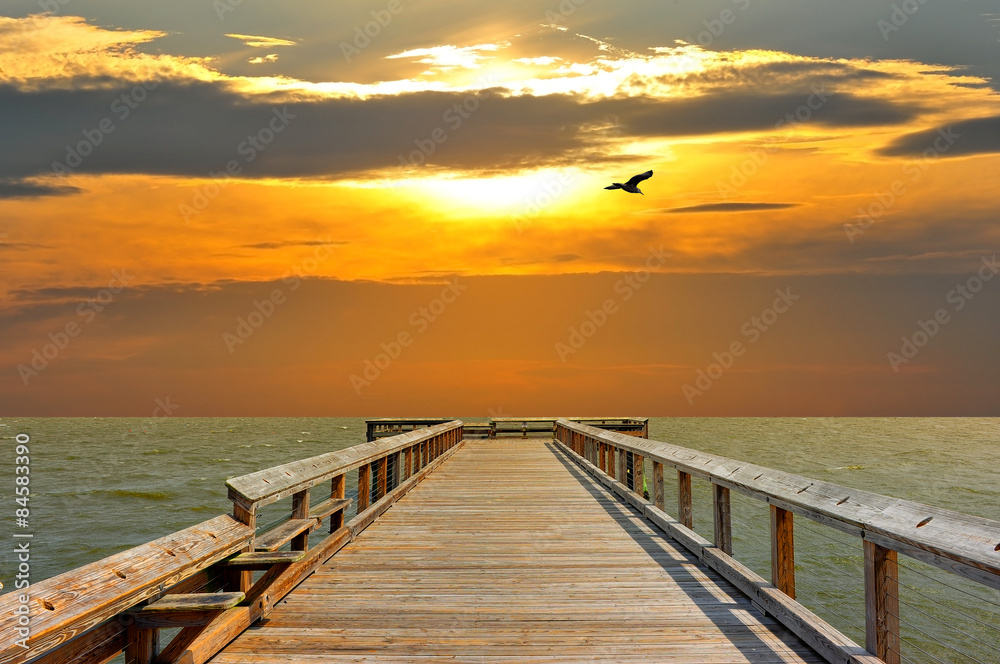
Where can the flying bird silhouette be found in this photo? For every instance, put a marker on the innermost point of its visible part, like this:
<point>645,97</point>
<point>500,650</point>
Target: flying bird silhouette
<point>630,186</point>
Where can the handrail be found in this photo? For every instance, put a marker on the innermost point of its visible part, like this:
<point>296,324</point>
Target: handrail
<point>69,604</point>
<point>266,486</point>
<point>96,611</point>
<point>958,543</point>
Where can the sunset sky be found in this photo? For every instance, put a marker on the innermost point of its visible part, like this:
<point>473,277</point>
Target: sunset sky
<point>397,207</point>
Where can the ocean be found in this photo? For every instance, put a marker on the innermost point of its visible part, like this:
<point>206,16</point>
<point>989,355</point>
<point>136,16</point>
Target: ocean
<point>103,485</point>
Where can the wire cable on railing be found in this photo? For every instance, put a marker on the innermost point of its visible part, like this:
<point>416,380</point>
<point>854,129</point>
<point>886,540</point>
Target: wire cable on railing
<point>933,639</point>
<point>936,642</point>
<point>946,585</point>
<point>848,621</point>
<point>827,609</point>
<point>858,595</point>
<point>949,608</point>
<point>951,627</point>
<point>911,643</point>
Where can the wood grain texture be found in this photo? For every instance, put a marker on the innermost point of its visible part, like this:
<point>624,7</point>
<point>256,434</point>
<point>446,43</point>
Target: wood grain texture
<point>960,543</point>
<point>338,489</point>
<point>284,533</point>
<point>658,498</point>
<point>67,605</point>
<point>783,551</point>
<point>721,512</point>
<point>685,506</point>
<point>267,486</point>
<point>832,644</point>
<point>474,566</point>
<point>882,603</point>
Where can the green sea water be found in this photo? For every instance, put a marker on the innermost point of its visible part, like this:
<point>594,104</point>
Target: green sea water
<point>103,485</point>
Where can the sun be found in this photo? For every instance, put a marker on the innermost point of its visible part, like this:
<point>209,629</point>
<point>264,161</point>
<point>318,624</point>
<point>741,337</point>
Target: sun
<point>537,192</point>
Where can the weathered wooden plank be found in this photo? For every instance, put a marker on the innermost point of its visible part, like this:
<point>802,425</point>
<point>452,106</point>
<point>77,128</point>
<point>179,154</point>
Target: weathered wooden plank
<point>722,518</point>
<point>882,636</point>
<point>284,533</point>
<point>96,646</point>
<point>957,542</point>
<point>190,602</point>
<point>300,510</point>
<point>478,571</point>
<point>236,620</point>
<point>263,559</point>
<point>142,645</point>
<point>658,498</point>
<point>831,643</point>
<point>382,477</point>
<point>685,507</point>
<point>328,507</point>
<point>267,486</point>
<point>364,486</point>
<point>338,488</point>
<point>783,551</point>
<point>69,604</point>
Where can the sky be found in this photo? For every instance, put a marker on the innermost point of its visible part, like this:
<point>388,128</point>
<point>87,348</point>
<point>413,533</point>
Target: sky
<point>397,208</point>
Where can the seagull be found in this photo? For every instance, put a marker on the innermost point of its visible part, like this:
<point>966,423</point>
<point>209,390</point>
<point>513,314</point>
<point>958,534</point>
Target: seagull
<point>630,186</point>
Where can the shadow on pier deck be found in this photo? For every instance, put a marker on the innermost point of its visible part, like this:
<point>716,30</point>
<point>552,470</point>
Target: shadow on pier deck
<point>509,552</point>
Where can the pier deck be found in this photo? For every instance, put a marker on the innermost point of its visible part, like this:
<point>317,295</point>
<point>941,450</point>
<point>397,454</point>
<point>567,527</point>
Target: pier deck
<point>512,553</point>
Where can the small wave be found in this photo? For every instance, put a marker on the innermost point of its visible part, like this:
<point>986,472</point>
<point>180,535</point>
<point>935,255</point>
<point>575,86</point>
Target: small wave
<point>156,452</point>
<point>971,490</point>
<point>222,460</point>
<point>127,493</point>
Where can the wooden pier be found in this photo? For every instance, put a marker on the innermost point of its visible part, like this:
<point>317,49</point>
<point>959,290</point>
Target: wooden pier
<point>516,550</point>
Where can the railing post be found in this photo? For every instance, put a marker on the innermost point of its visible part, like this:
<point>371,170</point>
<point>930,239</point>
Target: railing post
<point>783,550</point>
<point>408,464</point>
<point>881,603</point>
<point>240,580</point>
<point>601,456</point>
<point>364,486</point>
<point>685,512</point>
<point>338,489</point>
<point>383,470</point>
<point>142,645</point>
<point>723,523</point>
<point>638,474</point>
<point>300,510</point>
<point>658,486</point>
<point>612,464</point>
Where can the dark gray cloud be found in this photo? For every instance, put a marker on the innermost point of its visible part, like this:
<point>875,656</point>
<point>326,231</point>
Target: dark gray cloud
<point>730,207</point>
<point>17,188</point>
<point>978,136</point>
<point>192,130</point>
<point>282,245</point>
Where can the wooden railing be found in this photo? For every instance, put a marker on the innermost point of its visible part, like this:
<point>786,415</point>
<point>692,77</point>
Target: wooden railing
<point>959,543</point>
<point>120,604</point>
<point>507,427</point>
